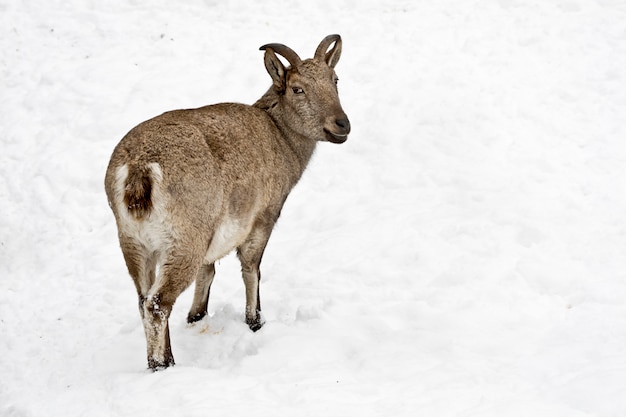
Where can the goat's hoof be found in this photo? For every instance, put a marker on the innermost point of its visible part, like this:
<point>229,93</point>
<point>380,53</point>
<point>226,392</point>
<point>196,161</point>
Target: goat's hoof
<point>192,318</point>
<point>155,365</point>
<point>255,324</point>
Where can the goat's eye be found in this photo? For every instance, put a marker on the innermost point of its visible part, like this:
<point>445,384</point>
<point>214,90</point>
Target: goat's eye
<point>297,90</point>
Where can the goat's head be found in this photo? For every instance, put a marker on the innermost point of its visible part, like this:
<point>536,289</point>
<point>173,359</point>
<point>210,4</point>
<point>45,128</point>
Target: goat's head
<point>307,90</point>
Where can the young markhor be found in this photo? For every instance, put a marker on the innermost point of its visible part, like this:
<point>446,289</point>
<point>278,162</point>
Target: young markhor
<point>189,186</point>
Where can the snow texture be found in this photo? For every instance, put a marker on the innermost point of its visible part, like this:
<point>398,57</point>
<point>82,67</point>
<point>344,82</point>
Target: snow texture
<point>462,254</point>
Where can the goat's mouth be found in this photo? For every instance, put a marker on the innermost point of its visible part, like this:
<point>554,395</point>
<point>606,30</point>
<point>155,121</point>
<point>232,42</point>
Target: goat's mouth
<point>335,137</point>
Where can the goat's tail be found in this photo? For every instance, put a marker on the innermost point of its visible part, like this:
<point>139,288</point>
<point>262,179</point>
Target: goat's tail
<point>138,191</point>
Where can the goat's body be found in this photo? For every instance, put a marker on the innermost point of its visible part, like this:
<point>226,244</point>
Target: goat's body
<point>196,183</point>
<point>202,205</point>
<point>189,186</point>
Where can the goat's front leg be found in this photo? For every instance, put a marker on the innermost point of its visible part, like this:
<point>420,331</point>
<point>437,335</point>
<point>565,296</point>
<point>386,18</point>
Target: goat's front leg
<point>250,254</point>
<point>201,295</point>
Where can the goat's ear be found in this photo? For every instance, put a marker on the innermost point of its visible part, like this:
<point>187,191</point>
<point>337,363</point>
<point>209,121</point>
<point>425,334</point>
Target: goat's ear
<point>275,68</point>
<point>332,56</point>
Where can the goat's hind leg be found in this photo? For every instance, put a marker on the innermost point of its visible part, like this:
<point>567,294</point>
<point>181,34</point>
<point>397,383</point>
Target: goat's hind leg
<point>156,326</point>
<point>157,294</point>
<point>141,266</point>
<point>201,294</point>
<point>178,270</point>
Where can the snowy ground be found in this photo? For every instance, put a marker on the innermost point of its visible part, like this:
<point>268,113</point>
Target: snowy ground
<point>463,254</point>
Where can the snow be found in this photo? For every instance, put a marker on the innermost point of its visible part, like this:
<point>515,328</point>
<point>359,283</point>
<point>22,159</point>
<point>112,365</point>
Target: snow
<point>462,254</point>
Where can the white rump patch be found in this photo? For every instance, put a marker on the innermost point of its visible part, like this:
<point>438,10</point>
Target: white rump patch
<point>154,232</point>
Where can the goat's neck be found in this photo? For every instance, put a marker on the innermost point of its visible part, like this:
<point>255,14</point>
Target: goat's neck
<point>301,146</point>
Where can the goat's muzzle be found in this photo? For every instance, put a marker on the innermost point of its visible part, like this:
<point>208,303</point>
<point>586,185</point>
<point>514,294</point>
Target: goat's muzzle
<point>337,130</point>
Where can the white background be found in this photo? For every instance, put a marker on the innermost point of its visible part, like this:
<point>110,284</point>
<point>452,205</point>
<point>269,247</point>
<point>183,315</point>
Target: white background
<point>463,254</point>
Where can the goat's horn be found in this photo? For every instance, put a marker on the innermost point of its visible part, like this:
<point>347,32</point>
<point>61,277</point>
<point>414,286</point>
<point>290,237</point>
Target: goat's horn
<point>285,51</point>
<point>320,52</point>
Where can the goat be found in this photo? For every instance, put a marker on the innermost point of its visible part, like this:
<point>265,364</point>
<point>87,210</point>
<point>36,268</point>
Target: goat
<point>190,186</point>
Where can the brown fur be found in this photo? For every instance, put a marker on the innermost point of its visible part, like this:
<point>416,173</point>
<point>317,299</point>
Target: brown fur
<point>138,191</point>
<point>189,186</point>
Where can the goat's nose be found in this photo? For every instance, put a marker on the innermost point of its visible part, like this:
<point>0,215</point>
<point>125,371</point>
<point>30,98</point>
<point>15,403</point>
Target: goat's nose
<point>344,124</point>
